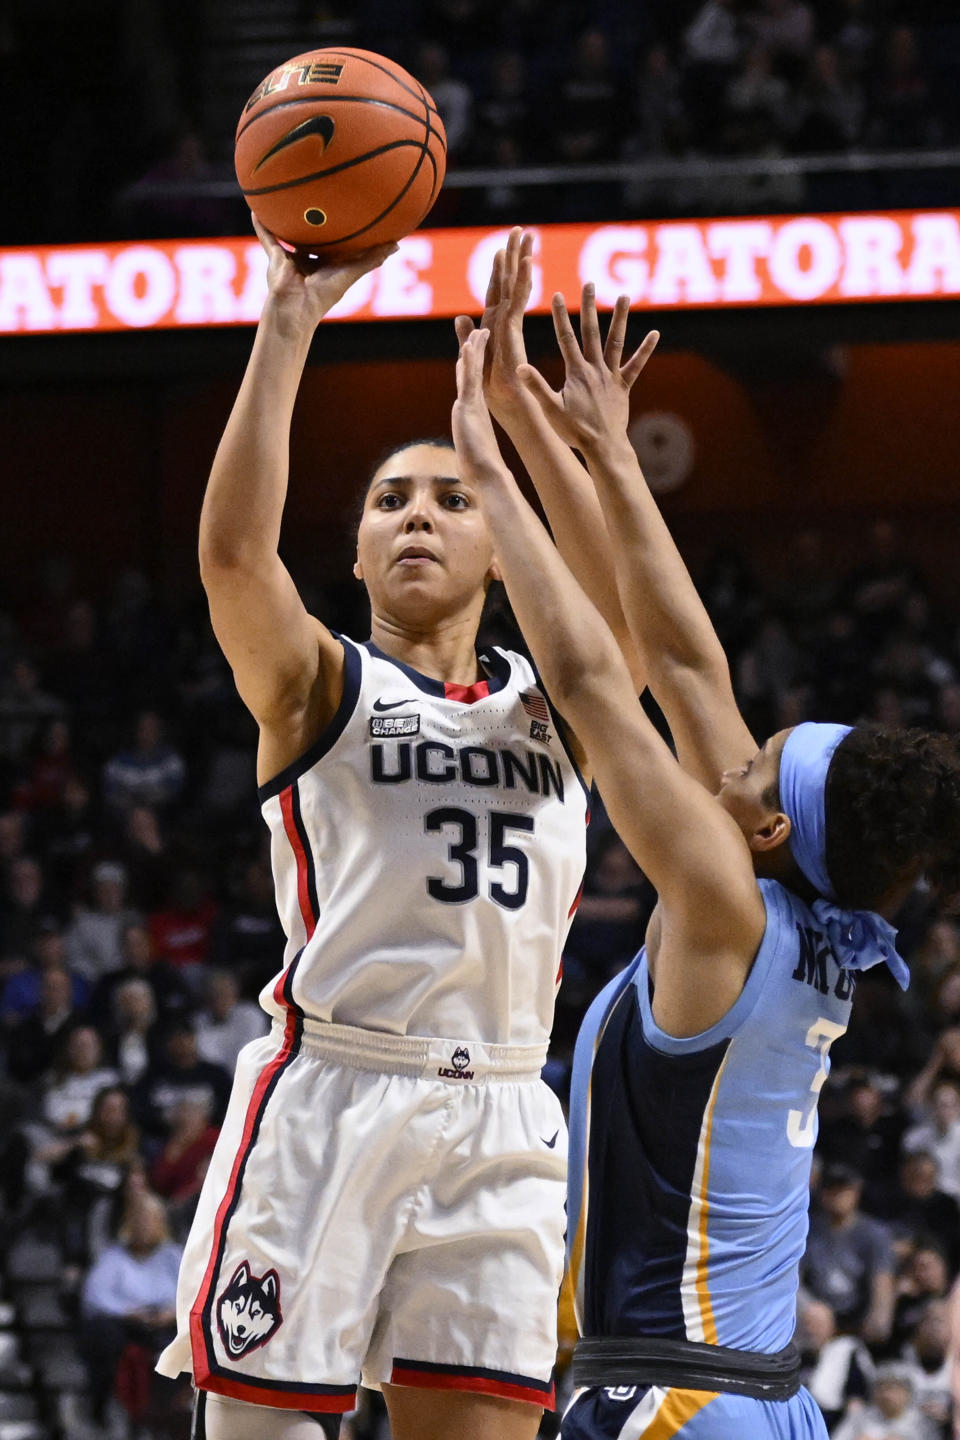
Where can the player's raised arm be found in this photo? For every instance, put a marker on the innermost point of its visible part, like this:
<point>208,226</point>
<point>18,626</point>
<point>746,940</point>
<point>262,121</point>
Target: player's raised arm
<point>287,666</point>
<point>563,485</point>
<point>688,845</point>
<point>685,664</point>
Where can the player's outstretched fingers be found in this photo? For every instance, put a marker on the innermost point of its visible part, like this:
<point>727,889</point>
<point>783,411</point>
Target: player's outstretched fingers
<point>617,333</point>
<point>495,284</point>
<point>640,356</point>
<point>464,327</point>
<point>471,360</point>
<point>519,296</point>
<point>590,325</point>
<point>564,331</point>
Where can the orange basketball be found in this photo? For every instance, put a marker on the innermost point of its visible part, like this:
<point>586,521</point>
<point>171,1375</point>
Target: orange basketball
<point>340,149</point>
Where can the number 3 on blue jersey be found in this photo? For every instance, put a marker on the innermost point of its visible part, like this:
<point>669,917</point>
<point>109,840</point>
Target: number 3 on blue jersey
<point>462,851</point>
<point>802,1124</point>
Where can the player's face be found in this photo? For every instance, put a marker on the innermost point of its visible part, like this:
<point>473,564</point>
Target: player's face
<point>423,548</point>
<point>745,792</point>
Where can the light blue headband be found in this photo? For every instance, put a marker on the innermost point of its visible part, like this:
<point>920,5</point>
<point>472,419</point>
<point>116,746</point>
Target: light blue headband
<point>860,938</point>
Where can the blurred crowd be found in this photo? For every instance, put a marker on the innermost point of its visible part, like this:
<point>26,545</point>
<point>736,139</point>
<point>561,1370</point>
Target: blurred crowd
<point>137,925</point>
<point>148,94</point>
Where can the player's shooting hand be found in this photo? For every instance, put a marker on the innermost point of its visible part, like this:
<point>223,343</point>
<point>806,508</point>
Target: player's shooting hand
<point>304,290</point>
<point>508,294</point>
<point>473,437</point>
<point>595,399</point>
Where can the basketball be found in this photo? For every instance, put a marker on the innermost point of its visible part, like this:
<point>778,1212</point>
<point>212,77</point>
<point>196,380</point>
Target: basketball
<point>338,150</point>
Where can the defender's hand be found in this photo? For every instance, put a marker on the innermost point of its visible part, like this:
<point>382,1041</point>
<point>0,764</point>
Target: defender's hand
<point>595,399</point>
<point>473,437</point>
<point>508,294</point>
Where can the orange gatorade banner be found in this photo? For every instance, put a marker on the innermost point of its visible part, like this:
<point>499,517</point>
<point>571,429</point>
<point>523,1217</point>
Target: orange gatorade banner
<point>775,260</point>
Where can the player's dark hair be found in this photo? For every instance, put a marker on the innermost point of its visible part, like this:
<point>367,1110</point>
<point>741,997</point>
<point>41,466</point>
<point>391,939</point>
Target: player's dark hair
<point>892,814</point>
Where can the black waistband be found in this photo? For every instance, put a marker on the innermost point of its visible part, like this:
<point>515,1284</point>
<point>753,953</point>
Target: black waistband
<point>614,1360</point>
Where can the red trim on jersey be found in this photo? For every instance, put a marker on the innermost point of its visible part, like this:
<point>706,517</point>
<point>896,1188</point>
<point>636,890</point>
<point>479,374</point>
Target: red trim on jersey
<point>576,903</point>
<point>482,1384</point>
<point>277,1399</point>
<point>197,1338</point>
<point>300,854</point>
<point>466,693</point>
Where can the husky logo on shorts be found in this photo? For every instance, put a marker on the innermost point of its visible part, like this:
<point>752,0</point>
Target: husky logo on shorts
<point>460,1059</point>
<point>248,1311</point>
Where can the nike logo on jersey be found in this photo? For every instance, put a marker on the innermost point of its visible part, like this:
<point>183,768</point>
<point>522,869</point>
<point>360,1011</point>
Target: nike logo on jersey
<point>552,1141</point>
<point>382,705</point>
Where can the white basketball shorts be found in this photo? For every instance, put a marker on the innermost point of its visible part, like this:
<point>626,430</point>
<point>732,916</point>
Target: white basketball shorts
<point>377,1207</point>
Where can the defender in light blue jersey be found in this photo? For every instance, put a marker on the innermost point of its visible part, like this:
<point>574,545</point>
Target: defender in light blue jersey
<point>699,1069</point>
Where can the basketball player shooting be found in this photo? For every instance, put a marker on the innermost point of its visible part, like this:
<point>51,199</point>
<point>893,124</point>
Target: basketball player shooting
<point>386,1199</point>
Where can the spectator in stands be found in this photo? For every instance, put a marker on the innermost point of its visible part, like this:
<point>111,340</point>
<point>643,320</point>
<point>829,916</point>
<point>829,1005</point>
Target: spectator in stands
<point>948,708</point>
<point>179,1074</point>
<point>21,991</point>
<point>505,108</point>
<point>129,1295</point>
<point>914,1205</point>
<point>49,767</point>
<point>828,111</point>
<point>26,906</point>
<point>227,1023</point>
<point>837,1369</point>
<point>152,773</point>
<point>713,38</point>
<point>786,30</point>
<point>755,105</point>
<point>854,33</point>
<point>248,938</point>
<point>892,1413</point>
<point>147,858</point>
<point>132,1037</point>
<point>177,1172</point>
<point>876,590</point>
<point>902,114</point>
<point>13,838</point>
<point>867,1131</point>
<point>40,1035</point>
<point>94,1167</point>
<point>94,938</point>
<point>24,707</point>
<point>67,836</point>
<point>171,994</point>
<point>81,672</point>
<point>589,104</point>
<point>78,1076</point>
<point>453,97</point>
<point>849,1258</point>
<point>939,1135</point>
<point>927,1353</point>
<point>924,1277</point>
<point>181,930</point>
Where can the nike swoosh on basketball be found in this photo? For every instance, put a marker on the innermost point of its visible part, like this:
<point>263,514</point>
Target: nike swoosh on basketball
<point>390,704</point>
<point>552,1141</point>
<point>320,125</point>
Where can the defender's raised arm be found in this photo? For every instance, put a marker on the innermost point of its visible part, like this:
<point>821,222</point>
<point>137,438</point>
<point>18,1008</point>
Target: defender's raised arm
<point>685,665</point>
<point>565,489</point>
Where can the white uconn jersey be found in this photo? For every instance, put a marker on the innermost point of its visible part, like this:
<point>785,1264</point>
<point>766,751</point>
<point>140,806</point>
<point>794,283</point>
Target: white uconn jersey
<point>428,853</point>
